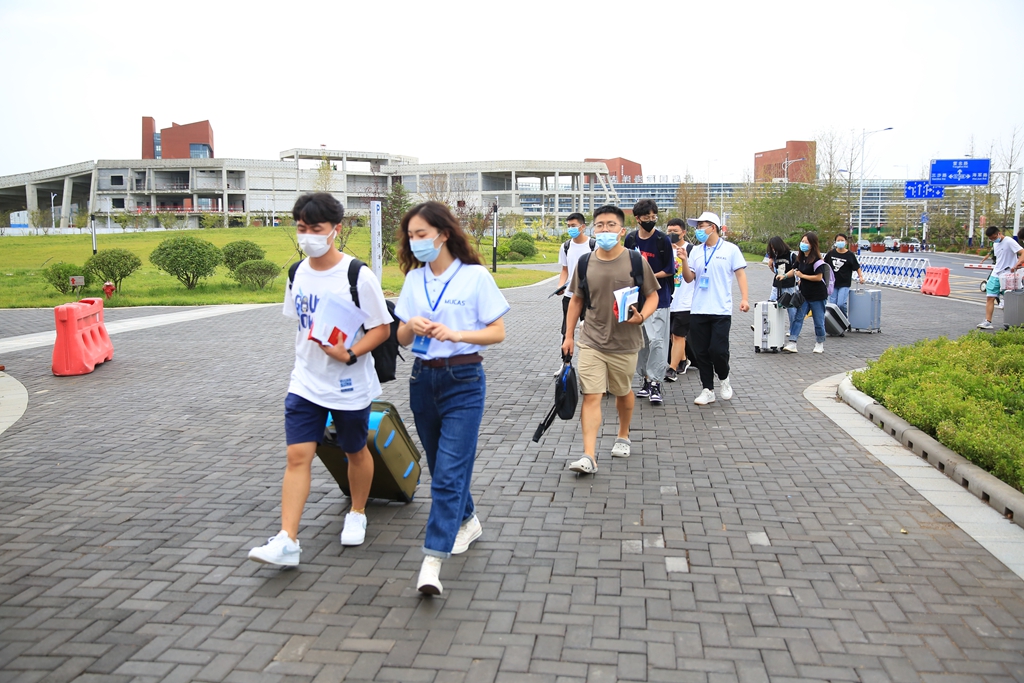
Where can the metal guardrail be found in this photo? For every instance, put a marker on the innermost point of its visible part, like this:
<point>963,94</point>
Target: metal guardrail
<point>905,272</point>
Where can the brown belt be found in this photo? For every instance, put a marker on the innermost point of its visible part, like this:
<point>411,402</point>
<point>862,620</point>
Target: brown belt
<point>464,359</point>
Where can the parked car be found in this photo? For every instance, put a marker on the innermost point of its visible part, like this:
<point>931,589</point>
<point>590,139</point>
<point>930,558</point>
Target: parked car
<point>891,243</point>
<point>864,245</point>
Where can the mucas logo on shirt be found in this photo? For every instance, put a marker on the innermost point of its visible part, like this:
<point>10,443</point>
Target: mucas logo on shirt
<point>305,306</point>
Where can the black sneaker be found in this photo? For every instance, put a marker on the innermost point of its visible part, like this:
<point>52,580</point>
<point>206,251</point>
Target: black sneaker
<point>686,366</point>
<point>655,394</point>
<point>671,375</point>
<point>645,390</point>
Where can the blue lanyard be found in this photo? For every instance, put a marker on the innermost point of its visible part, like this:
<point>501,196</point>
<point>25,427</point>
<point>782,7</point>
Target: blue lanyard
<point>433,306</point>
<point>707,259</point>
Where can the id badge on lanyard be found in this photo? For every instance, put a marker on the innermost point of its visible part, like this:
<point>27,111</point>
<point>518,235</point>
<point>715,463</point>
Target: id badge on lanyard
<point>421,343</point>
<point>704,282</point>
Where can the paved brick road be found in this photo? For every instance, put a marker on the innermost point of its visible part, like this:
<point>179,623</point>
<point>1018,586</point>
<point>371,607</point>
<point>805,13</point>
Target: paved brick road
<point>129,497</point>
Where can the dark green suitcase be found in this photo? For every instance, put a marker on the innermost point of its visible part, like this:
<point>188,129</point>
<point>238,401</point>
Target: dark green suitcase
<point>396,462</point>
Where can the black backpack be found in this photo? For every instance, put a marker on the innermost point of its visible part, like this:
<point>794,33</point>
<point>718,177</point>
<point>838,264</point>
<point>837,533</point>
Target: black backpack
<point>386,355</point>
<point>636,262</point>
<point>565,245</point>
<point>665,253</point>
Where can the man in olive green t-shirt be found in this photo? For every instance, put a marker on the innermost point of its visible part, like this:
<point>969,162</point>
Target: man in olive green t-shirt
<point>608,348</point>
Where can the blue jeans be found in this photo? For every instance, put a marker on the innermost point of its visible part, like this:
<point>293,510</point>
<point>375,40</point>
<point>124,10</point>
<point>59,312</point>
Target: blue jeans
<point>840,296</point>
<point>447,405</point>
<point>817,309</point>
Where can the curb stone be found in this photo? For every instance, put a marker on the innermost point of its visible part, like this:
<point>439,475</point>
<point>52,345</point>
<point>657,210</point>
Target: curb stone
<point>995,493</point>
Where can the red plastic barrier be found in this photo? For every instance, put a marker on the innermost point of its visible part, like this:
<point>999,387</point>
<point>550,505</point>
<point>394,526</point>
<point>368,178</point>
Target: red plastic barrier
<point>936,282</point>
<point>82,339</point>
<point>877,247</point>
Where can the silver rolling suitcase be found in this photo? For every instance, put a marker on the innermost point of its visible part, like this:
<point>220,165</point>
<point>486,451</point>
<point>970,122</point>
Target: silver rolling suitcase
<point>836,323</point>
<point>1013,309</point>
<point>866,310</point>
<point>769,327</point>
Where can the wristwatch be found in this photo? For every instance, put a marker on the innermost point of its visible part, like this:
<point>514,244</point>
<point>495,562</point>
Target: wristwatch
<point>352,358</point>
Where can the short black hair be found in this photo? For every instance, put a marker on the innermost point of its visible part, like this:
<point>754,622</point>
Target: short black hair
<point>576,217</point>
<point>610,208</point>
<point>644,207</point>
<point>991,230</point>
<point>318,207</point>
<point>677,221</point>
<point>842,234</point>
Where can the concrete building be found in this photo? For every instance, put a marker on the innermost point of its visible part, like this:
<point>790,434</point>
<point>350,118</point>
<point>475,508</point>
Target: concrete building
<point>782,165</point>
<point>190,141</point>
<point>621,170</point>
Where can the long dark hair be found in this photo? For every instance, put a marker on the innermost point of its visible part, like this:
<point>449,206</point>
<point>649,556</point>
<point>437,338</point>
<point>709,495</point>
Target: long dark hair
<point>814,255</point>
<point>778,249</point>
<point>439,216</point>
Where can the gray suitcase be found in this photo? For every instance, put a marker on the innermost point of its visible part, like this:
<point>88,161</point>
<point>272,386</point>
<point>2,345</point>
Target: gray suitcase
<point>1013,309</point>
<point>769,327</point>
<point>836,323</point>
<point>866,310</point>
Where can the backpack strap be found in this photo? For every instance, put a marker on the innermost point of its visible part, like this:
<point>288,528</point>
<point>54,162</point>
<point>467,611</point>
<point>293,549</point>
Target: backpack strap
<point>636,268</point>
<point>565,247</point>
<point>353,279</point>
<point>291,271</point>
<point>630,241</point>
<point>584,286</point>
<point>593,244</point>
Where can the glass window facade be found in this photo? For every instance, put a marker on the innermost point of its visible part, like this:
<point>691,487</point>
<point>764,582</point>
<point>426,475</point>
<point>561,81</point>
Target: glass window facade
<point>199,151</point>
<point>156,145</point>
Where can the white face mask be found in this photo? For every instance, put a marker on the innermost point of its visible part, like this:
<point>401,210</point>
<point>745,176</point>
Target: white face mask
<point>315,245</point>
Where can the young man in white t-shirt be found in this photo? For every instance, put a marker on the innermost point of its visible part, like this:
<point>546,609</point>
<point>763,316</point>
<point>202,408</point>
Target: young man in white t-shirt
<point>713,266</point>
<point>326,379</point>
<point>569,255</point>
<point>1009,256</point>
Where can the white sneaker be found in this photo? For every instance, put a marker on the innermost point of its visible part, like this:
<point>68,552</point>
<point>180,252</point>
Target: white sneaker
<point>429,582</point>
<point>584,465</point>
<point>468,532</point>
<point>621,448</point>
<point>726,389</point>
<point>789,347</point>
<point>354,532</point>
<point>818,348</point>
<point>705,397</point>
<point>999,305</point>
<point>280,550</point>
<point>985,325</point>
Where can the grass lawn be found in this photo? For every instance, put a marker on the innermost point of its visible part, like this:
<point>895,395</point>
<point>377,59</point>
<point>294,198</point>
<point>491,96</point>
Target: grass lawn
<point>22,259</point>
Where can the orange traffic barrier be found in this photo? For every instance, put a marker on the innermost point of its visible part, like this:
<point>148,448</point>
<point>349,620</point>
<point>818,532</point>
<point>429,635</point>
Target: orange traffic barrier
<point>936,282</point>
<point>82,339</point>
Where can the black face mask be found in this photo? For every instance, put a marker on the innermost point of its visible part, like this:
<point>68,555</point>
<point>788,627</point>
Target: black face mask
<point>648,225</point>
<point>675,237</point>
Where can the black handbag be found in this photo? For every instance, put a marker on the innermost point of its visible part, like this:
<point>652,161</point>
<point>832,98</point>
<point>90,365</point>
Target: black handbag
<point>792,299</point>
<point>566,397</point>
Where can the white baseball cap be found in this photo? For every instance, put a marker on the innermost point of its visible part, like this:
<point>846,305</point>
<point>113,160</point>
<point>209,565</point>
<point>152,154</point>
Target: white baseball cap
<point>706,216</point>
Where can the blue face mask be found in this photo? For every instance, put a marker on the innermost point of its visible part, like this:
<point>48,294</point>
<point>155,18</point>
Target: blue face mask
<point>424,250</point>
<point>607,240</point>
<point>997,241</point>
<point>804,247</point>
<point>701,235</point>
<point>840,245</point>
<point>574,232</point>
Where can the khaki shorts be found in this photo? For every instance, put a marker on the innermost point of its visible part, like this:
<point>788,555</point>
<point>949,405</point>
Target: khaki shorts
<point>599,372</point>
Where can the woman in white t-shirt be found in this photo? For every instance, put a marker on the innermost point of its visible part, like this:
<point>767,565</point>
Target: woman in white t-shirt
<point>450,309</point>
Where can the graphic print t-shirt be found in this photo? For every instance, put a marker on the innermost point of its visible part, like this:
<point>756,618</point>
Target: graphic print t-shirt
<point>843,266</point>
<point>649,248</point>
<point>316,376</point>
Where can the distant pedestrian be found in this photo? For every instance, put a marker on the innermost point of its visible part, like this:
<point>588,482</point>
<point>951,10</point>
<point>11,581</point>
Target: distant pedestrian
<point>716,263</point>
<point>577,245</point>
<point>844,264</point>
<point>682,297</point>
<point>810,274</point>
<point>608,348</point>
<point>450,309</point>
<point>782,261</point>
<point>1009,256</point>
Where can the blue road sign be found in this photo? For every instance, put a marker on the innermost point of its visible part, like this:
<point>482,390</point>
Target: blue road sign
<point>920,189</point>
<point>960,171</point>
<point>924,218</point>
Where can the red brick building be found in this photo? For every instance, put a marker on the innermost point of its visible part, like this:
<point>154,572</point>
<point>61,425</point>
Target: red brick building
<point>191,141</point>
<point>620,168</point>
<point>770,165</point>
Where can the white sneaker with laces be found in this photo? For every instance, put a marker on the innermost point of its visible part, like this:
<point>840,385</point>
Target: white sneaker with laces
<point>280,550</point>
<point>818,348</point>
<point>705,397</point>
<point>354,531</point>
<point>621,448</point>
<point>985,325</point>
<point>584,465</point>
<point>468,532</point>
<point>429,582</point>
<point>789,347</point>
<point>726,389</point>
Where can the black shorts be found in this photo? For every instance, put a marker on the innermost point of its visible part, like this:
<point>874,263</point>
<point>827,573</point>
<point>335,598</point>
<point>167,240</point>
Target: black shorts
<point>679,323</point>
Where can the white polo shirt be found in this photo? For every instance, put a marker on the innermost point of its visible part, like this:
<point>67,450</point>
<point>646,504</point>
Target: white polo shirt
<point>719,262</point>
<point>572,258</point>
<point>463,297</point>
<point>1006,255</point>
<point>316,376</point>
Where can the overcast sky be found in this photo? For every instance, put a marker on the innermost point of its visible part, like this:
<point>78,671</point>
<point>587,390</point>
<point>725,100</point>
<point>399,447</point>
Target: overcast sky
<point>675,85</point>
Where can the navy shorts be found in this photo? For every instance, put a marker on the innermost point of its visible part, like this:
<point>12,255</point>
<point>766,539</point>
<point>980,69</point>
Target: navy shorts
<point>305,421</point>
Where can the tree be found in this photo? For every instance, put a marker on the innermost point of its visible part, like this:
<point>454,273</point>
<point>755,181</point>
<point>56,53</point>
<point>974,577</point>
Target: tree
<point>113,265</point>
<point>41,219</point>
<point>1010,157</point>
<point>480,224</point>
<point>187,258</point>
<point>169,220</point>
<point>324,174</point>
<point>59,275</point>
<point>209,221</point>
<point>80,220</point>
<point>394,206</point>
<point>240,251</point>
<point>691,197</point>
<point>123,219</point>
<point>256,274</point>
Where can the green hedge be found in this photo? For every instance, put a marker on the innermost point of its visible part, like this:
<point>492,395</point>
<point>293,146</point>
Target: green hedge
<point>967,393</point>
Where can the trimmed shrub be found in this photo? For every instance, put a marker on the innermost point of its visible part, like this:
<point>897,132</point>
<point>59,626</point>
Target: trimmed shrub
<point>515,256</point>
<point>503,251</point>
<point>237,253</point>
<point>187,258</point>
<point>523,243</point>
<point>113,265</point>
<point>59,275</point>
<point>256,274</point>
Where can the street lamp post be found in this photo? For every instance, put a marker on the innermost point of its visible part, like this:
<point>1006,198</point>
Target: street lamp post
<point>53,224</point>
<point>860,198</point>
<point>787,163</point>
